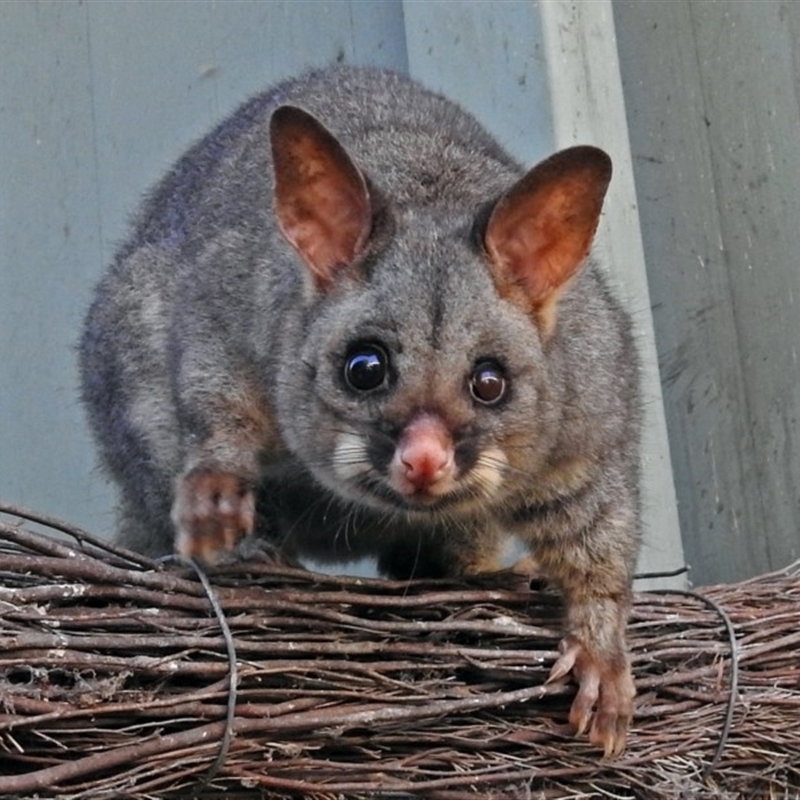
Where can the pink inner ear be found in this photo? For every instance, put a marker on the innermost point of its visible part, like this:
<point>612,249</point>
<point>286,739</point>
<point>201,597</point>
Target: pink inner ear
<point>321,199</point>
<point>541,230</point>
<point>327,225</point>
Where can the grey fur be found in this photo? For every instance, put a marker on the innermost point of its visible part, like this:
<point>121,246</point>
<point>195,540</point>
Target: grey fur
<point>207,300</point>
<point>207,289</point>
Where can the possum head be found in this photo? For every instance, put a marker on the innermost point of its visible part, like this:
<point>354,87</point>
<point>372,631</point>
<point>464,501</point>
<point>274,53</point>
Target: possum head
<point>421,382</point>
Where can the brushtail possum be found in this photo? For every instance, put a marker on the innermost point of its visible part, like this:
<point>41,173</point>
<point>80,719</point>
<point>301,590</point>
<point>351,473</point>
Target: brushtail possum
<point>348,322</point>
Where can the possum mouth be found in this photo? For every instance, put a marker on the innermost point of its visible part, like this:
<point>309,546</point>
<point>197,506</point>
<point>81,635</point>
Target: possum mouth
<point>421,503</point>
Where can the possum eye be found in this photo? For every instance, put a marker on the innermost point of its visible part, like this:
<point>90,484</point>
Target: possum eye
<point>366,368</point>
<point>488,383</point>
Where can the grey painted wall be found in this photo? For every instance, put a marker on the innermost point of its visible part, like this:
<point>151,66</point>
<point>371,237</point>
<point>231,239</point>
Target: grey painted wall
<point>98,98</point>
<point>711,90</point>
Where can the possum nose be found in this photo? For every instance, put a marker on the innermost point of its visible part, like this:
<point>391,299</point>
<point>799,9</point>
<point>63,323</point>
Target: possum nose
<point>423,465</point>
<point>425,452</point>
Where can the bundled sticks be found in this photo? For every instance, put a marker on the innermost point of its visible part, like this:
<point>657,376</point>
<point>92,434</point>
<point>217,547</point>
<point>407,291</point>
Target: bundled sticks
<point>123,678</point>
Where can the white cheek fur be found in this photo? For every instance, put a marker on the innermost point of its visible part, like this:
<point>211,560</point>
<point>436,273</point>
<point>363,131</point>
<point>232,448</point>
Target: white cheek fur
<point>350,459</point>
<point>487,474</point>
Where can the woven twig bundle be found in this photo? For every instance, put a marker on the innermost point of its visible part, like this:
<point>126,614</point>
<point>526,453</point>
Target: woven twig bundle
<point>115,681</point>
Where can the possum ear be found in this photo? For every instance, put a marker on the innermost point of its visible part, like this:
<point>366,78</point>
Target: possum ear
<point>539,232</point>
<point>322,203</point>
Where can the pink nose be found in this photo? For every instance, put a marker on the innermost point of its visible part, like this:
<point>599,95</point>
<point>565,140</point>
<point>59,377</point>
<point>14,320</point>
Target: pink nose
<point>425,451</point>
<point>424,465</point>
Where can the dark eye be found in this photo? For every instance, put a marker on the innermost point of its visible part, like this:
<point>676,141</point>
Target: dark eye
<point>488,383</point>
<point>366,368</point>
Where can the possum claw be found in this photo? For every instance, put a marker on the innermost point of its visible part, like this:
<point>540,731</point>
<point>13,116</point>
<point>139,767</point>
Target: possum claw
<point>604,702</point>
<point>212,512</point>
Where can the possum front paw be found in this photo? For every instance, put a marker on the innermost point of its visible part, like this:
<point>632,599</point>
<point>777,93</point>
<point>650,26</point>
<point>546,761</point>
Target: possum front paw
<point>604,702</point>
<point>212,512</point>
